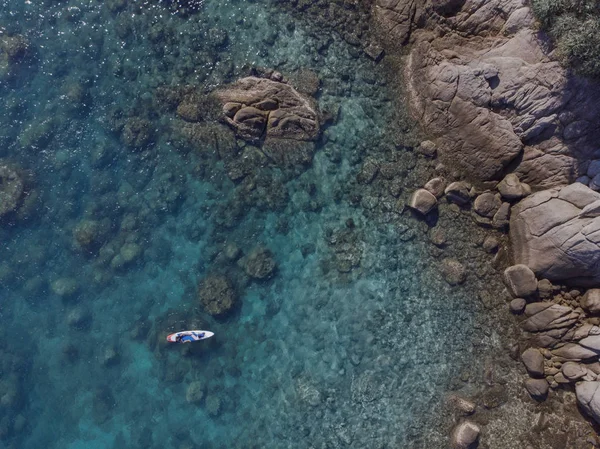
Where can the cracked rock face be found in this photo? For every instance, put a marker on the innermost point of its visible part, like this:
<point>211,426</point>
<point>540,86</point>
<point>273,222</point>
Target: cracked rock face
<point>258,108</point>
<point>552,235</point>
<point>486,93</point>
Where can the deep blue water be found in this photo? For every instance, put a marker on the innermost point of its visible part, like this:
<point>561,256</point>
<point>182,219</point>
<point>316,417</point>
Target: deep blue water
<point>315,357</point>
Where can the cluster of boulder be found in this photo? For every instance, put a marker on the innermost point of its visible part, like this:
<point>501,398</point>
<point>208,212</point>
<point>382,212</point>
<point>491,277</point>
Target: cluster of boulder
<point>562,327</point>
<point>490,207</point>
<point>493,100</point>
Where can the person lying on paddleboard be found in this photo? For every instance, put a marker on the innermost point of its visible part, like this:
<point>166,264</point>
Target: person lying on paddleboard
<point>192,336</point>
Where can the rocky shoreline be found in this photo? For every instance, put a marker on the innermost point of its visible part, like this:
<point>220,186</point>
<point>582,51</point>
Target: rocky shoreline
<point>504,119</point>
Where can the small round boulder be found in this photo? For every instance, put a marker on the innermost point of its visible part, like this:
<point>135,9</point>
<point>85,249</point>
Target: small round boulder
<point>423,201</point>
<point>465,435</point>
<point>487,204</point>
<point>517,305</point>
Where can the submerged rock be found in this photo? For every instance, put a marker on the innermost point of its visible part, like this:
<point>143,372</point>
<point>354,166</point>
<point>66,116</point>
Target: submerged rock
<point>195,392</point>
<point>65,287</point>
<point>217,295</point>
<point>259,264</point>
<point>453,271</point>
<point>11,190</point>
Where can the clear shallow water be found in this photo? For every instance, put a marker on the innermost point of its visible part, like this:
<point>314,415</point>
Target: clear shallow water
<point>315,357</point>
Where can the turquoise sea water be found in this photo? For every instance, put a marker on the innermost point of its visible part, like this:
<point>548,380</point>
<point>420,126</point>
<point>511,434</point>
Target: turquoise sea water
<point>322,355</point>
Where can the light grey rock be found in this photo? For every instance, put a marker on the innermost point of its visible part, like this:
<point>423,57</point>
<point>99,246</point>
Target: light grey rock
<point>459,193</point>
<point>520,281</point>
<point>435,186</point>
<point>573,371</point>
<point>453,271</point>
<point>588,396</point>
<point>465,435</point>
<point>511,188</point>
<point>591,301</point>
<point>592,342</point>
<point>549,235</point>
<point>574,352</point>
<point>537,388</point>
<point>534,362</point>
<point>543,316</point>
<point>487,204</point>
<point>423,201</point>
<point>517,305</point>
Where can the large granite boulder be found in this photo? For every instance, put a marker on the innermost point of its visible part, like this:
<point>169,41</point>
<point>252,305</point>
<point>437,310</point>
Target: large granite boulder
<point>588,396</point>
<point>480,82</point>
<point>554,233</point>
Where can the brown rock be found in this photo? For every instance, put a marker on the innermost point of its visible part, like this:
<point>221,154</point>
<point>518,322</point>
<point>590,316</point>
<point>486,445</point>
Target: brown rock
<point>423,201</point>
<point>537,388</point>
<point>520,281</point>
